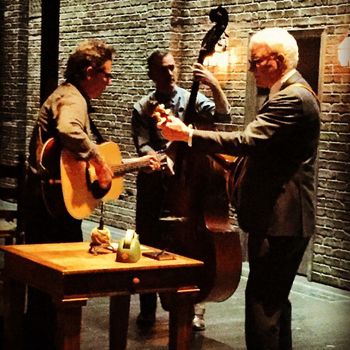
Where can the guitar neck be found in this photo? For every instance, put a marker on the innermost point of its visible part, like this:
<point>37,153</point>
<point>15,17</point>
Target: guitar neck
<point>121,169</point>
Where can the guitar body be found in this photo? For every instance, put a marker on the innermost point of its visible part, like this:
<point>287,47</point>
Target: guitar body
<point>51,187</point>
<point>70,186</point>
<point>76,176</point>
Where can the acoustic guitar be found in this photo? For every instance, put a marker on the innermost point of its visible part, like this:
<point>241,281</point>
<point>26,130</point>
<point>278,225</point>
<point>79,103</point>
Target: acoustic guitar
<point>70,185</point>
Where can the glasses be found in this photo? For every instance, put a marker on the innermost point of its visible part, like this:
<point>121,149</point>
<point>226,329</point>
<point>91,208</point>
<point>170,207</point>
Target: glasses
<point>255,62</point>
<point>106,74</point>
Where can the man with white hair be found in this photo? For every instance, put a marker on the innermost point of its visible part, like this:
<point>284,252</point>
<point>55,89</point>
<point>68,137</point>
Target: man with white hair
<point>274,191</point>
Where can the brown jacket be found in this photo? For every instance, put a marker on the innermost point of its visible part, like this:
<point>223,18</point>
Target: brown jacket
<point>63,115</point>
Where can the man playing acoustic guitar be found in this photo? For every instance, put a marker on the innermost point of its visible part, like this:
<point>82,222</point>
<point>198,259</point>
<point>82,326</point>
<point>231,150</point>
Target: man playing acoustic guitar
<point>64,116</point>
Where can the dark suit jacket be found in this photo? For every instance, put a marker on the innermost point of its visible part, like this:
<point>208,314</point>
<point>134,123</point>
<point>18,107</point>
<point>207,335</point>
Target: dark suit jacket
<point>275,190</point>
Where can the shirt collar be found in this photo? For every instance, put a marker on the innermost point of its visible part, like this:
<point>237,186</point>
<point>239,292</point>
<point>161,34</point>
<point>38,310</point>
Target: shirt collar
<point>164,98</point>
<point>86,97</point>
<point>277,85</point>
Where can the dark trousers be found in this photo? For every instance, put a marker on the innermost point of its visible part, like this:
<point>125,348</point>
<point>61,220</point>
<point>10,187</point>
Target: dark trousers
<point>149,204</point>
<point>273,263</point>
<point>41,227</point>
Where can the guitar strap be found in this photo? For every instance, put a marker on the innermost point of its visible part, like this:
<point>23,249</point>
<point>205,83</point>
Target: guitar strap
<point>99,140</point>
<point>94,130</point>
<point>38,149</point>
<point>309,89</point>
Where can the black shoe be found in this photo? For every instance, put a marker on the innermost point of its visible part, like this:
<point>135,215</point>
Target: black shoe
<point>146,320</point>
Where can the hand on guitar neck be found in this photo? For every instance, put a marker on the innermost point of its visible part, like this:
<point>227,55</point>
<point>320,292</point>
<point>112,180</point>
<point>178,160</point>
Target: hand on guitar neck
<point>173,129</point>
<point>160,113</point>
<point>104,173</point>
<point>79,183</point>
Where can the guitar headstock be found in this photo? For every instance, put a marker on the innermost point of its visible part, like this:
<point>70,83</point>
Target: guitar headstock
<point>160,112</point>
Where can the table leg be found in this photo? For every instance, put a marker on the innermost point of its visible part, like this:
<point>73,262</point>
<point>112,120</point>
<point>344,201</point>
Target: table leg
<point>119,309</point>
<point>14,296</point>
<point>68,326</point>
<point>180,319</point>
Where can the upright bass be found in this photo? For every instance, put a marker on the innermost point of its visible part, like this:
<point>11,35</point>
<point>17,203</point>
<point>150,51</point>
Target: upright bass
<point>195,218</point>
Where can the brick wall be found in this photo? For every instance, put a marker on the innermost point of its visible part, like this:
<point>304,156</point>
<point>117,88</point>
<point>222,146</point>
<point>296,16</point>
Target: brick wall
<point>136,28</point>
<point>331,263</point>
<point>13,78</point>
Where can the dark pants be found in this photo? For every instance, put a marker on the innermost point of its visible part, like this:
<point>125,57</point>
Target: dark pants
<point>273,263</point>
<point>149,204</point>
<point>41,227</point>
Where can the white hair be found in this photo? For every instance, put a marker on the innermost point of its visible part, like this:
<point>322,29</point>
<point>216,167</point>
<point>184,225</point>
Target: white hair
<point>280,41</point>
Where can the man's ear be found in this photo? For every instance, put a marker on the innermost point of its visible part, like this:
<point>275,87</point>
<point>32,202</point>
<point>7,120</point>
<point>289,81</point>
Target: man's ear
<point>89,72</point>
<point>281,62</point>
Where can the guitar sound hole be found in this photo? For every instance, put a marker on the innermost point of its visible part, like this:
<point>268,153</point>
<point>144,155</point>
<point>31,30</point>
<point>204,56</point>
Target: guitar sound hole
<point>97,191</point>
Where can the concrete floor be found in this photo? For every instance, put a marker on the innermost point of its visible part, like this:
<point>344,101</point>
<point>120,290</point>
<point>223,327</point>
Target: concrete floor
<point>321,319</point>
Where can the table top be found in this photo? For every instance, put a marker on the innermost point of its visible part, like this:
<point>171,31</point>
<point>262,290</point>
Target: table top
<point>74,258</point>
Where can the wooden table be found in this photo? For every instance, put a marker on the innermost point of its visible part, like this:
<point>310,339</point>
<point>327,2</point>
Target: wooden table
<point>71,275</point>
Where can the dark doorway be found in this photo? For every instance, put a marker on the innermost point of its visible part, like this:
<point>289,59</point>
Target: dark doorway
<point>309,43</point>
<point>50,12</point>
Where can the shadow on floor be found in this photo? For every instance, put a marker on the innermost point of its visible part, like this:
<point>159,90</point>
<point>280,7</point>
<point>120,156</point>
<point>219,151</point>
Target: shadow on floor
<point>321,320</point>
